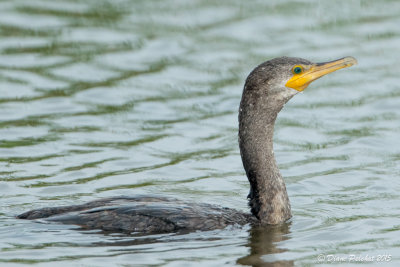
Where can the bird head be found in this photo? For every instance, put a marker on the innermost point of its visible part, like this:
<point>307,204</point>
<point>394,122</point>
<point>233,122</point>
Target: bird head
<point>283,77</point>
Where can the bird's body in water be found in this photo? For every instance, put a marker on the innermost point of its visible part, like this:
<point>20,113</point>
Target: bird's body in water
<point>267,89</point>
<point>149,214</point>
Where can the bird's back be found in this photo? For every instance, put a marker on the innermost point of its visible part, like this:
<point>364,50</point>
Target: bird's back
<point>147,214</point>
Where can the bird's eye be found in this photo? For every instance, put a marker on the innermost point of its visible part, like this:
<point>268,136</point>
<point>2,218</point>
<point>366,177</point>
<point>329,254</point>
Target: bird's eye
<point>297,70</point>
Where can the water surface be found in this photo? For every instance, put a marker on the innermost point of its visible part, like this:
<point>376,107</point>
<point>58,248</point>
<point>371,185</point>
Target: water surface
<point>107,98</point>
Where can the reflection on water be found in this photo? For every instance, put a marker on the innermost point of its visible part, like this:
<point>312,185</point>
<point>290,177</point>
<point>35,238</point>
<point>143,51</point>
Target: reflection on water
<point>263,243</point>
<point>107,98</point>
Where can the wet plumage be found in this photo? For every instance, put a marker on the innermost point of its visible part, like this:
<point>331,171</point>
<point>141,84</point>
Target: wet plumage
<point>267,89</point>
<point>150,214</point>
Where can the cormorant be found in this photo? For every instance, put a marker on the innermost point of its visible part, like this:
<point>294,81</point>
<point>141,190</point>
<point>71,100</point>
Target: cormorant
<point>267,88</point>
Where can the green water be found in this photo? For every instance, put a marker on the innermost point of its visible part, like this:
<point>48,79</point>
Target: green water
<point>108,98</point>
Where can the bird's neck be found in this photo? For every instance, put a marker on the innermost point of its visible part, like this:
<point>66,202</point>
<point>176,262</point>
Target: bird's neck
<point>269,201</point>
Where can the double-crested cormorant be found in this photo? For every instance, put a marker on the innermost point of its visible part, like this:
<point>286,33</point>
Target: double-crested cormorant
<point>268,87</point>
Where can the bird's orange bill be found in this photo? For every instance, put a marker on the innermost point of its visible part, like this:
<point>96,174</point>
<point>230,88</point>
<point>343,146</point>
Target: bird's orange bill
<point>300,81</point>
